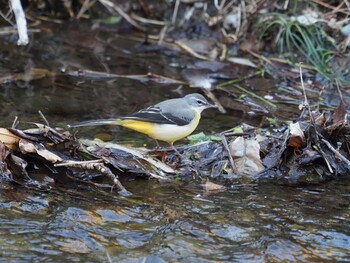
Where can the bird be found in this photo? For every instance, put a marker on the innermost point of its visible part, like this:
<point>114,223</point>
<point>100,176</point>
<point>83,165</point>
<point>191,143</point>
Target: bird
<point>168,121</point>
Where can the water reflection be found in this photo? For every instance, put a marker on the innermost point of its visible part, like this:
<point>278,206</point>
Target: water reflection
<point>247,223</point>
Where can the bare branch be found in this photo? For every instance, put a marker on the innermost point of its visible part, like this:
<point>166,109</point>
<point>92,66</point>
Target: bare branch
<point>21,22</point>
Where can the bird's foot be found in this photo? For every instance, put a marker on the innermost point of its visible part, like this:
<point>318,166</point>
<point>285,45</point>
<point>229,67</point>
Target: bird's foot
<point>157,145</point>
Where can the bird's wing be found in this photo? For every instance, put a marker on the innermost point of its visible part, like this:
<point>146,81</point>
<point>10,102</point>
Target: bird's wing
<point>154,114</point>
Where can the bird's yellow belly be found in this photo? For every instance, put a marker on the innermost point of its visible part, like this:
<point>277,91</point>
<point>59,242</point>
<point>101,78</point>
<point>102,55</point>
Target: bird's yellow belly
<point>163,132</point>
<point>136,125</point>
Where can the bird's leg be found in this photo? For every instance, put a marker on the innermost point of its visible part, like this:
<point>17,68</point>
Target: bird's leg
<point>183,158</point>
<point>157,144</point>
<point>173,147</point>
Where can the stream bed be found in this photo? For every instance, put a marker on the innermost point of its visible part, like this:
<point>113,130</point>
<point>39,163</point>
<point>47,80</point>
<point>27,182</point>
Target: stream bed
<point>160,222</point>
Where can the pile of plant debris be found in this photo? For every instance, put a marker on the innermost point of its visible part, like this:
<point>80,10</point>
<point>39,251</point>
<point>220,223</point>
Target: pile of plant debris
<point>311,150</point>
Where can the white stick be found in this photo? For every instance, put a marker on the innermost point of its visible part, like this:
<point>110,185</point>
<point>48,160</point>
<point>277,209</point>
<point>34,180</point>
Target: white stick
<point>21,22</point>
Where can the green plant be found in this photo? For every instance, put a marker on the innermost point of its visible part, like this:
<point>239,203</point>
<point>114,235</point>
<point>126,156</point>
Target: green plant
<point>310,41</point>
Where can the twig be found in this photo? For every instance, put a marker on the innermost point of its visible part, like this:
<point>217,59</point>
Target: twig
<point>230,82</point>
<point>8,30</point>
<point>339,91</point>
<point>306,103</point>
<point>122,13</point>
<point>329,6</point>
<point>347,4</point>
<point>223,51</point>
<point>79,164</point>
<point>224,141</point>
<point>21,22</point>
<point>162,34</point>
<point>147,20</point>
<point>319,149</point>
<point>189,50</point>
<point>46,131</point>
<point>216,4</point>
<point>99,166</point>
<point>44,118</point>
<point>86,73</point>
<point>109,257</point>
<point>15,122</point>
<point>280,60</point>
<point>312,123</point>
<point>338,154</point>
<point>176,9</point>
<point>85,6</point>
<point>23,135</point>
<point>337,8</point>
<point>49,19</point>
<point>285,6</point>
<point>215,100</point>
<point>225,9</point>
<point>267,60</point>
<point>255,96</point>
<point>7,17</point>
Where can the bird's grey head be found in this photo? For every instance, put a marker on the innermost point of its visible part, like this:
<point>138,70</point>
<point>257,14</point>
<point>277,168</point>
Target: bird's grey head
<point>198,102</point>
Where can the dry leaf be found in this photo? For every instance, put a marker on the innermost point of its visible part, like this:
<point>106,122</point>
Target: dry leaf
<point>29,147</point>
<point>9,139</point>
<point>296,135</point>
<point>211,187</point>
<point>246,155</point>
<point>340,113</point>
<point>322,119</point>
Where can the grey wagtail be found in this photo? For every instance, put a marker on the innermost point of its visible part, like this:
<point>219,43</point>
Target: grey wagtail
<point>168,121</point>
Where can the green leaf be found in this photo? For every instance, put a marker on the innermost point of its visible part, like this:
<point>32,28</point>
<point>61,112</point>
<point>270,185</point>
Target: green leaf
<point>201,137</point>
<point>111,20</point>
<point>272,121</point>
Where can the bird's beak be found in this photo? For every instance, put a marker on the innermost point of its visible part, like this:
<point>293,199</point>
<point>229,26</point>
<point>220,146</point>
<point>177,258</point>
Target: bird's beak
<point>212,106</point>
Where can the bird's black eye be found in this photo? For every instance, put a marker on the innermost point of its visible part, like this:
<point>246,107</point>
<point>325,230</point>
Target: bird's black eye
<point>200,102</point>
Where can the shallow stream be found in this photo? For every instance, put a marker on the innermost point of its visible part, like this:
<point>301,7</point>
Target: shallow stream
<point>159,222</point>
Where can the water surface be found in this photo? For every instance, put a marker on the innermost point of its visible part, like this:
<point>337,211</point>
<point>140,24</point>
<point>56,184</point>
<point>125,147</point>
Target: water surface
<point>174,223</point>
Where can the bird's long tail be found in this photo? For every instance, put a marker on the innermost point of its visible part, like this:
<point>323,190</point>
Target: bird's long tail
<point>96,123</point>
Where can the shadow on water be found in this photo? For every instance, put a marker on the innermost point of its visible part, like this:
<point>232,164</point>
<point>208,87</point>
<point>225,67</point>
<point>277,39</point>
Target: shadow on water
<point>252,223</point>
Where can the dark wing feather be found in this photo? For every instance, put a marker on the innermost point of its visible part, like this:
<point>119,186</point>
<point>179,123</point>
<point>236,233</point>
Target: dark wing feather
<point>155,115</point>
